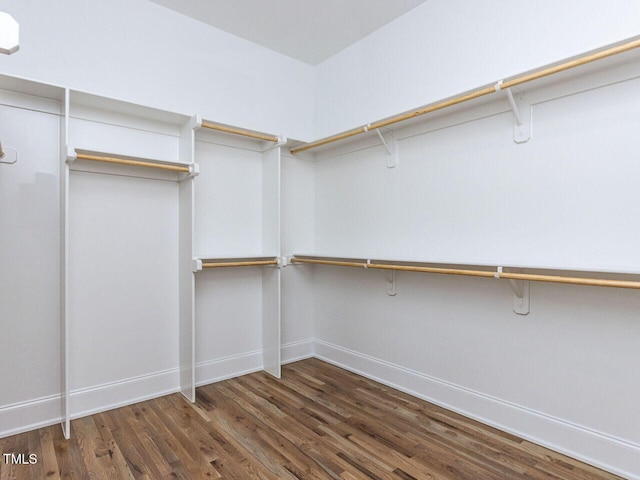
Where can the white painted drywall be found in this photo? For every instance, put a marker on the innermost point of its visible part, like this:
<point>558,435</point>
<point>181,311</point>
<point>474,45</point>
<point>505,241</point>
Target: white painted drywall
<point>139,51</point>
<point>563,376</point>
<point>464,192</point>
<point>123,280</point>
<point>228,197</point>
<point>29,261</point>
<point>446,47</point>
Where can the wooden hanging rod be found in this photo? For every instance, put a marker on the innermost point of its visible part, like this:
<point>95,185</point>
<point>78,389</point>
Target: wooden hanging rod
<point>249,263</point>
<point>338,263</point>
<point>594,282</point>
<point>544,72</point>
<point>239,131</point>
<point>135,163</point>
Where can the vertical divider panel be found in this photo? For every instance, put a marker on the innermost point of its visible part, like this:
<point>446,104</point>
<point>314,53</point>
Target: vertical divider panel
<point>271,320</point>
<point>64,266</point>
<point>271,301</point>
<point>186,279</point>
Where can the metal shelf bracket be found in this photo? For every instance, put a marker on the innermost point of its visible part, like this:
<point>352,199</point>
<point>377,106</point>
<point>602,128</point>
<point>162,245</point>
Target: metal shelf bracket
<point>389,145</point>
<point>521,304</point>
<point>8,155</point>
<point>392,283</point>
<point>521,114</point>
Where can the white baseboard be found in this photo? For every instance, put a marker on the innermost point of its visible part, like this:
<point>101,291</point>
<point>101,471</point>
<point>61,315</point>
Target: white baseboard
<point>295,351</point>
<point>25,416</point>
<point>100,398</point>
<point>234,366</point>
<point>42,412</point>
<point>228,367</point>
<point>612,454</point>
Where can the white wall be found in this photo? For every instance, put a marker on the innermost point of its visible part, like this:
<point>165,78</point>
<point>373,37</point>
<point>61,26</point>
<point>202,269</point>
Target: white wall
<point>29,263</point>
<point>453,340</point>
<point>464,192</point>
<point>139,51</point>
<point>563,376</point>
<point>445,47</point>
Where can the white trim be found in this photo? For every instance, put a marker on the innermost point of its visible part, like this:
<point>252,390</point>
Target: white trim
<point>45,411</point>
<point>30,415</point>
<point>228,367</point>
<point>296,351</point>
<point>107,396</point>
<point>615,455</point>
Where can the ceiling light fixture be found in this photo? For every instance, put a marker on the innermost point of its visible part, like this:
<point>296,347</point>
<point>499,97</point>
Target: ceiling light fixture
<point>9,34</point>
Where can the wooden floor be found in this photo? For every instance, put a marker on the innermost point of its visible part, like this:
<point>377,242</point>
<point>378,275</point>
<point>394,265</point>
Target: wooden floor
<point>318,422</point>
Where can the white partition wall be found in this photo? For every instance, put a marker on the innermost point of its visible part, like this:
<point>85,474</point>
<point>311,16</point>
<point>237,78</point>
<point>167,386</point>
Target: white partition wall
<point>186,301</point>
<point>64,266</point>
<point>271,320</point>
<point>271,295</point>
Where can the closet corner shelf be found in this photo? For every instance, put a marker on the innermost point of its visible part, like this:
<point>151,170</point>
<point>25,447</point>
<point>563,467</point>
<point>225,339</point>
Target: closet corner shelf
<point>483,270</point>
<point>77,154</point>
<point>279,140</point>
<point>203,262</point>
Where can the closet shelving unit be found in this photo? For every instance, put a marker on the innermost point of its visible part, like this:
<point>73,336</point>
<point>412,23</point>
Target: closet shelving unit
<point>610,67</point>
<point>115,139</point>
<point>237,218</point>
<point>100,135</point>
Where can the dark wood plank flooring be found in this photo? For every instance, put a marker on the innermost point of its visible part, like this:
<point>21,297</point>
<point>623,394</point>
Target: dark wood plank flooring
<point>317,422</point>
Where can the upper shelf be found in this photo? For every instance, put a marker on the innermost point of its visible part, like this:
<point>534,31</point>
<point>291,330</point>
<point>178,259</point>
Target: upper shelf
<point>201,263</point>
<point>177,167</point>
<point>269,140</point>
<point>502,85</point>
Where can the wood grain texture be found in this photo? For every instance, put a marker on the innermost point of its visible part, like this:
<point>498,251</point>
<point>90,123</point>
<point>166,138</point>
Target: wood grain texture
<point>135,163</point>
<point>249,263</point>
<point>317,422</point>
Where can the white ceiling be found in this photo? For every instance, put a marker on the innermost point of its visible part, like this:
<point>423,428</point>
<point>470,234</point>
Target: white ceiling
<point>307,30</point>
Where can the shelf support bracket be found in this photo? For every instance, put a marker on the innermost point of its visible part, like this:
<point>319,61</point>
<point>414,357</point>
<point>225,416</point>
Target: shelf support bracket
<point>197,265</point>
<point>194,170</point>
<point>392,283</point>
<point>391,278</point>
<point>521,304</point>
<point>521,289</point>
<point>521,114</point>
<point>8,155</point>
<point>282,141</point>
<point>389,145</point>
<point>72,156</point>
